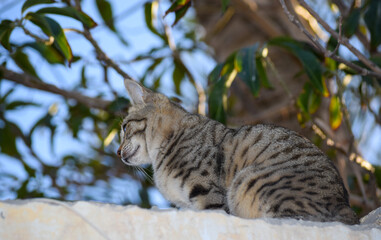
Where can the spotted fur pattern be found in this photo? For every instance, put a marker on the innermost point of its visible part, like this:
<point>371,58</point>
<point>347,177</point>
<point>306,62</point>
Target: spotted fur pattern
<point>251,172</point>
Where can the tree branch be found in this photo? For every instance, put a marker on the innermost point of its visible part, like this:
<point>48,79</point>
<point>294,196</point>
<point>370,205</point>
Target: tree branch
<point>315,41</point>
<point>343,40</point>
<point>102,55</point>
<point>33,82</point>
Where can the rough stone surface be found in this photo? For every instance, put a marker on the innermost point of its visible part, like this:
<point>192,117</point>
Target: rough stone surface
<point>47,219</point>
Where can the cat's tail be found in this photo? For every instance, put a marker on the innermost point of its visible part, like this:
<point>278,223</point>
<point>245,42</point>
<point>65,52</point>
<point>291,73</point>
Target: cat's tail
<point>346,215</point>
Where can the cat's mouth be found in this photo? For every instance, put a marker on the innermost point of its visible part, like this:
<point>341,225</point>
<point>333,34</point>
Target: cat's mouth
<point>125,159</point>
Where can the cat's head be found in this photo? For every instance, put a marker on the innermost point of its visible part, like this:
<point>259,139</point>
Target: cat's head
<point>139,131</point>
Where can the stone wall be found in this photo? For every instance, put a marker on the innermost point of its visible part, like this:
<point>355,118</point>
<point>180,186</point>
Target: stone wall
<point>42,219</point>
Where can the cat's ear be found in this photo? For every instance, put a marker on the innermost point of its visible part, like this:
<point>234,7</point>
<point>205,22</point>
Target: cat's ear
<point>138,94</point>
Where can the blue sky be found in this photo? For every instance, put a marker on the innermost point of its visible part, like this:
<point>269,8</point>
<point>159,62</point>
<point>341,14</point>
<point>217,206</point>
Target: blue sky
<point>129,20</point>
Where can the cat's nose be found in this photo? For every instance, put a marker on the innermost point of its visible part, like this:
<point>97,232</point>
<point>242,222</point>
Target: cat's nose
<point>118,152</point>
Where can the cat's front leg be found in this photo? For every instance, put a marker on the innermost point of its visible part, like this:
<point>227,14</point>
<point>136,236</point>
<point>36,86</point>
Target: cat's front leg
<point>204,195</point>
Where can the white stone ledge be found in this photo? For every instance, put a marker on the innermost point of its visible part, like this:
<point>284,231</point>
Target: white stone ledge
<point>41,219</point>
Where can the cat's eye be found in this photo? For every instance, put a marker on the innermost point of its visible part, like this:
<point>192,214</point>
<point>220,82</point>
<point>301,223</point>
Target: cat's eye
<point>124,127</point>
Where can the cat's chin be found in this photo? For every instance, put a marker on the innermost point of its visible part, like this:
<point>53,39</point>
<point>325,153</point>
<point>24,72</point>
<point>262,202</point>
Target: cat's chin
<point>126,159</point>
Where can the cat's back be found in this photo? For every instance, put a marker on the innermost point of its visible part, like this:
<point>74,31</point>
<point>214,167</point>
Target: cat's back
<point>273,171</point>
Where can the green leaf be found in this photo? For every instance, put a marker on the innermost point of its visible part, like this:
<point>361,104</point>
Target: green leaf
<point>150,12</point>
<point>6,28</point>
<point>8,141</point>
<point>45,121</point>
<point>22,60</point>
<point>372,19</point>
<point>16,104</point>
<point>119,104</point>
<point>221,78</point>
<point>351,23</point>
<point>335,115</point>
<point>225,4</point>
<point>310,62</point>
<point>105,10</point>
<point>52,28</point>
<point>179,7</point>
<point>217,110</point>
<point>83,77</point>
<point>78,113</point>
<point>215,75</point>
<point>308,103</point>
<point>309,100</point>
<point>49,52</point>
<point>70,12</point>
<point>151,68</point>
<point>377,174</point>
<point>29,3</point>
<point>259,62</point>
<point>248,72</point>
<point>4,97</point>
<point>178,75</point>
<point>376,60</point>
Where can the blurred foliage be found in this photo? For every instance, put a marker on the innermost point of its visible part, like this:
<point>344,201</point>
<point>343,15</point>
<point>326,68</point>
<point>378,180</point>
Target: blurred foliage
<point>94,173</point>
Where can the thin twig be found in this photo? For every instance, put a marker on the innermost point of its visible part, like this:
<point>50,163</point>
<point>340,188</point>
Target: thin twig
<point>339,40</point>
<point>176,55</point>
<point>102,55</point>
<point>279,78</point>
<point>321,128</point>
<point>33,82</point>
<point>49,41</point>
<point>344,40</point>
<point>315,41</point>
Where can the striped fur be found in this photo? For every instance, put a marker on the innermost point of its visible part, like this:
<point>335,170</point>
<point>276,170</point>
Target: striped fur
<point>253,171</point>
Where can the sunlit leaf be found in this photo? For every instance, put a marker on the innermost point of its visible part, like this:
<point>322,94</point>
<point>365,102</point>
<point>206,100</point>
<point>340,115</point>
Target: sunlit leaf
<point>29,3</point>
<point>150,12</point>
<point>70,12</point>
<point>335,115</point>
<point>308,102</point>
<point>372,19</point>
<point>179,7</point>
<point>310,62</point>
<point>51,28</point>
<point>49,52</point>
<point>105,10</point>
<point>6,28</point>
<point>221,78</point>
<point>22,60</point>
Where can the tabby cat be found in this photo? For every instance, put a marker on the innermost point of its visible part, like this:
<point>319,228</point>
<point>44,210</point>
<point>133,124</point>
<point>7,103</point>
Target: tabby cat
<point>251,172</point>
